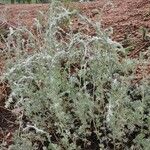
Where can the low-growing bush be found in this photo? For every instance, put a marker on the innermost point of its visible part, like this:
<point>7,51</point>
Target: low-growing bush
<point>75,90</point>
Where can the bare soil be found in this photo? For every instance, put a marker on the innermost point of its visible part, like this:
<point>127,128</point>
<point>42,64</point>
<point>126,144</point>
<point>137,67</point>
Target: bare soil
<point>129,19</point>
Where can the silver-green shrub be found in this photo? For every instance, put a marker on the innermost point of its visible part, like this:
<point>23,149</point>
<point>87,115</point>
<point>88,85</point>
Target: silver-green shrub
<point>75,90</point>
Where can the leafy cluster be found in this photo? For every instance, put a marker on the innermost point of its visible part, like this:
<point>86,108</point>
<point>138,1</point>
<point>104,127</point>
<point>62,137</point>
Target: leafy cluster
<point>75,90</point>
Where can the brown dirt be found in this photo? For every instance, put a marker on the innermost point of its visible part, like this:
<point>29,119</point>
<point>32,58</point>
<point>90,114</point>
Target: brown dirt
<point>125,16</point>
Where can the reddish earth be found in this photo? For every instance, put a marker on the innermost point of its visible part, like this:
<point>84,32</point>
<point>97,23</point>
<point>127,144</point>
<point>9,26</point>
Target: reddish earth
<point>125,16</point>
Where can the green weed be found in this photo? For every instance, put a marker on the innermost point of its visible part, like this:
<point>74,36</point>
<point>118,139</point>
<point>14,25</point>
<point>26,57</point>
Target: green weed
<point>75,92</point>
